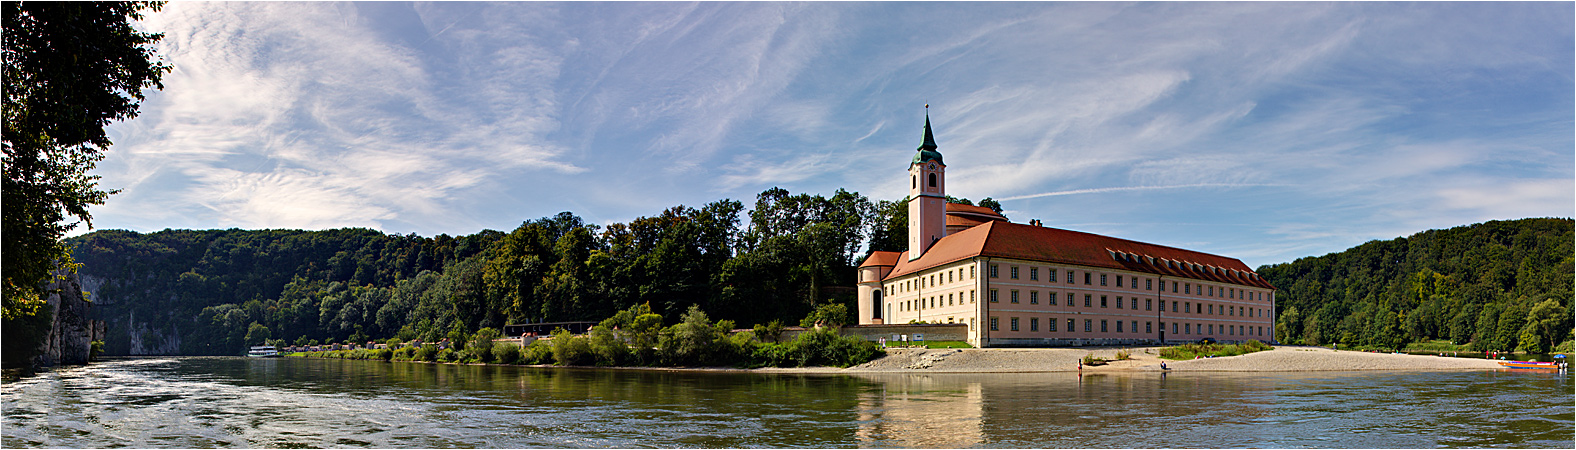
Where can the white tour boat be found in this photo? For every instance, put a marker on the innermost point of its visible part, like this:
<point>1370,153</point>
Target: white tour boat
<point>263,351</point>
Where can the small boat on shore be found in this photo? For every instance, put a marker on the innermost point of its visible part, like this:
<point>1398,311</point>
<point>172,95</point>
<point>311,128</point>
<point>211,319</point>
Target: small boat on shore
<point>1530,365</point>
<point>263,351</point>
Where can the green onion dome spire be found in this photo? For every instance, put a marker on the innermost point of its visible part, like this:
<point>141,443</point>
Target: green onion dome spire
<point>927,149</point>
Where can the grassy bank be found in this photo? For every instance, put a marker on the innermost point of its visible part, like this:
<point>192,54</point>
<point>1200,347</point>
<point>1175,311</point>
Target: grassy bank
<point>1191,351</point>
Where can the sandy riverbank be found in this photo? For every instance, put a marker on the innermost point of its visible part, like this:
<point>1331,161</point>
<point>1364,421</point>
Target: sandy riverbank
<point>1281,359</point>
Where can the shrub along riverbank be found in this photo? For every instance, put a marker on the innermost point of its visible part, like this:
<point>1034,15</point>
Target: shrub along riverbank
<point>1190,351</point>
<point>635,337</point>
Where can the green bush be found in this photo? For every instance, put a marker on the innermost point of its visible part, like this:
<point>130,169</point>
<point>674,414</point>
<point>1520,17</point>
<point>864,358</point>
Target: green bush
<point>772,355</point>
<point>1193,350</point>
<point>506,353</point>
<point>427,353</point>
<point>820,347</point>
<point>569,350</point>
<point>539,352</point>
<point>607,347</point>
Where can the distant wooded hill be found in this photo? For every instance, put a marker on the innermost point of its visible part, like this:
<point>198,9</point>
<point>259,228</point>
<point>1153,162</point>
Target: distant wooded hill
<point>1500,285</point>
<point>212,292</point>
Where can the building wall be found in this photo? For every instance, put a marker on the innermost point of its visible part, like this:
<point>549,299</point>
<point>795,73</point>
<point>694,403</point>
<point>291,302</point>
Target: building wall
<point>871,298</point>
<point>1101,310</point>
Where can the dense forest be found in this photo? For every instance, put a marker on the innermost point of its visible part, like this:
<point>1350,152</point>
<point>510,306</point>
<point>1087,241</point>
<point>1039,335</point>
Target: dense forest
<point>214,291</point>
<point>1496,286</point>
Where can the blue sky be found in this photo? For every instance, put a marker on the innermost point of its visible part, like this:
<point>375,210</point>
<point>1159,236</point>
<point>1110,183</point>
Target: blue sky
<point>1261,131</point>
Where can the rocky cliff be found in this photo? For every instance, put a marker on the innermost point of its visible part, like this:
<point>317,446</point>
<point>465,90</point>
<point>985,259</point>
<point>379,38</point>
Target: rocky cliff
<point>72,333</point>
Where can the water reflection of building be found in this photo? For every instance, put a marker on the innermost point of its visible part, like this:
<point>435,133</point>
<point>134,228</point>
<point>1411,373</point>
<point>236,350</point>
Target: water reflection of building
<point>920,411</point>
<point>1061,410</point>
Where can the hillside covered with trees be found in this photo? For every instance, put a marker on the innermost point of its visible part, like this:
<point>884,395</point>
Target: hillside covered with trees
<point>211,292</point>
<point>1498,286</point>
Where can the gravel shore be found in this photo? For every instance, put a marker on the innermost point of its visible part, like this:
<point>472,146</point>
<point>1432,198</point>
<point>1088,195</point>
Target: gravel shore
<point>1281,359</point>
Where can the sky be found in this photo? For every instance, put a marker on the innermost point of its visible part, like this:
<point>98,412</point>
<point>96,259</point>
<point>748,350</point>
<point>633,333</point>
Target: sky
<point>1260,131</point>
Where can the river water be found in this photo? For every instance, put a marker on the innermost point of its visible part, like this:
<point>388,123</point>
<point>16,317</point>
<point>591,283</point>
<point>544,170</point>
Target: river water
<point>297,403</point>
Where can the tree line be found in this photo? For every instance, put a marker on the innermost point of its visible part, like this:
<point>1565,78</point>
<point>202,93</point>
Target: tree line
<point>1492,286</point>
<point>636,337</point>
<point>205,292</point>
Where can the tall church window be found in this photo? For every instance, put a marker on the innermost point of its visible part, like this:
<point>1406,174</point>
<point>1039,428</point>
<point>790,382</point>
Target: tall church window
<point>932,180</point>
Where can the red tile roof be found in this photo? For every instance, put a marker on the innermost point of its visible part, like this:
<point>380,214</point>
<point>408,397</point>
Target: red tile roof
<point>1027,242</point>
<point>887,259</point>
<point>971,210</point>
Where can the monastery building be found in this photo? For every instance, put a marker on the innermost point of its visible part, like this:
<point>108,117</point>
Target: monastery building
<point>1030,285</point>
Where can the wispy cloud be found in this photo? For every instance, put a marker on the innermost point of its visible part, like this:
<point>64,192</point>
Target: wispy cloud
<point>1132,188</point>
<point>1267,130</point>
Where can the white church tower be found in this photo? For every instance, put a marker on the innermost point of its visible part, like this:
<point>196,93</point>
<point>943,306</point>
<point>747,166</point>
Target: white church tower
<point>927,196</point>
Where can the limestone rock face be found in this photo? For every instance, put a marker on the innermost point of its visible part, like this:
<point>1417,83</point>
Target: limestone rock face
<point>71,336</point>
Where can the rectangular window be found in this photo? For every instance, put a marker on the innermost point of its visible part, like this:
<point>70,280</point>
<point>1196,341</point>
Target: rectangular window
<point>1034,324</point>
<point>971,296</point>
<point>1211,329</point>
<point>993,324</point>
<point>949,276</point>
<point>1173,287</point>
<point>1069,326</point>
<point>1034,297</point>
<point>1051,297</point>
<point>1211,310</point>
<point>1119,302</point>
<point>1102,301</point>
<point>1088,303</point>
<point>1119,281</point>
<point>1034,274</point>
<point>1134,301</point>
<point>1187,307</point>
<point>1187,288</point>
<point>1102,326</point>
<point>1014,270</point>
<point>1173,327</point>
<point>1135,282</point>
<point>993,298</point>
<point>1102,279</point>
<point>1070,300</point>
<point>1119,326</point>
<point>1088,325</point>
<point>1050,275</point>
<point>971,271</point>
<point>1069,281</point>
<point>1149,304</point>
<point>1211,291</point>
<point>993,271</point>
<point>1149,284</point>
<point>1173,309</point>
<point>949,299</point>
<point>1149,327</point>
<point>1015,296</point>
<point>1187,328</point>
<point>1087,277</point>
<point>1014,324</point>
